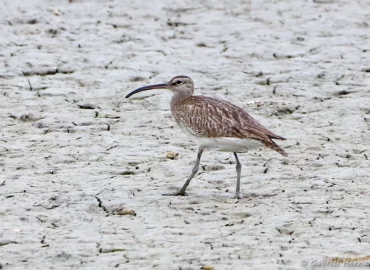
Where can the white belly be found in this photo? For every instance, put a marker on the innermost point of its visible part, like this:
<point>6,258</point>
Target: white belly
<point>226,144</point>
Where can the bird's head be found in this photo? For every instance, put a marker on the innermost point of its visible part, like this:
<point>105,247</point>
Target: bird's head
<point>181,85</point>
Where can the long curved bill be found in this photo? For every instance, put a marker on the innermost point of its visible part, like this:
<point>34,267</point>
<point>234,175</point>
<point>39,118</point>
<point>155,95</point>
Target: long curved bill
<point>149,87</point>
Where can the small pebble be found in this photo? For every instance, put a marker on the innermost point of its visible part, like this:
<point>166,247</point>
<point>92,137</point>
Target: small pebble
<point>123,212</point>
<point>172,155</point>
<point>86,106</point>
<point>208,267</point>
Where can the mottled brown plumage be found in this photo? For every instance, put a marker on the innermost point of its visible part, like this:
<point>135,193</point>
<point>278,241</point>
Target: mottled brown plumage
<point>214,124</point>
<point>209,117</point>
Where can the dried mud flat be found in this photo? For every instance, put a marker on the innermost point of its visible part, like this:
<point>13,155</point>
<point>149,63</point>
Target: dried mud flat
<point>77,158</point>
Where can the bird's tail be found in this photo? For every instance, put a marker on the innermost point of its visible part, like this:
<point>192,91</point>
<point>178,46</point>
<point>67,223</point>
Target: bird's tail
<point>276,137</point>
<point>271,144</point>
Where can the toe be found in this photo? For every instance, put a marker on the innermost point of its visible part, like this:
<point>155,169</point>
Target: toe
<point>180,193</point>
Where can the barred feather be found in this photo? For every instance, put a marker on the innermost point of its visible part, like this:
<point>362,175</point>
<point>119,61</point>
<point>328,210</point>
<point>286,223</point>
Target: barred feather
<point>207,117</point>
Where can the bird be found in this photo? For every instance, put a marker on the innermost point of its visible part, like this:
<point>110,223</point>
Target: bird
<point>214,124</point>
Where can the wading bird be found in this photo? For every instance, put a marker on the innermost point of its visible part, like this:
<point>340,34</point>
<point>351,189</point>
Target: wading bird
<point>214,124</point>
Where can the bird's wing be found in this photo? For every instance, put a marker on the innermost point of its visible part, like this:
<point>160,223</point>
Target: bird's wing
<point>210,117</point>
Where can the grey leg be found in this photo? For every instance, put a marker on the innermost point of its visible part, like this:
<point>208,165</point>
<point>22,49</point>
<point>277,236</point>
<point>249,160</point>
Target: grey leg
<point>238,171</point>
<point>181,192</point>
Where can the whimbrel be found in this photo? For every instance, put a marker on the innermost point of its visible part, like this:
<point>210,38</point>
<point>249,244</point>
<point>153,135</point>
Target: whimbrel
<point>214,124</point>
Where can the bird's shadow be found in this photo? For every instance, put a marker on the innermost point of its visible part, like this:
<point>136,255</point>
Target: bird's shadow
<point>217,196</point>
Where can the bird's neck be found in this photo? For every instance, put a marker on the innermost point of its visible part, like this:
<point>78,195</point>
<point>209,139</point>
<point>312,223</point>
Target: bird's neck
<point>179,97</point>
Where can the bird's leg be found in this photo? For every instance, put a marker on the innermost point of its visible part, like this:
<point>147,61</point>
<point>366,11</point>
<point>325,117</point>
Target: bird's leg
<point>181,192</point>
<point>238,171</point>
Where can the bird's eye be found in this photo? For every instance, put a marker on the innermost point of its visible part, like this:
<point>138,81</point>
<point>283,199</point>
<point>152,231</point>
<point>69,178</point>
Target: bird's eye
<point>178,82</point>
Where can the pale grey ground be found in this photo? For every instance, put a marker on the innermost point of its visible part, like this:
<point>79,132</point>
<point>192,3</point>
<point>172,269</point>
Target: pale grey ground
<point>56,158</point>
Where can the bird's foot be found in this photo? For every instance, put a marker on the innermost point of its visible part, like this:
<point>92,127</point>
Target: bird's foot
<point>237,196</point>
<point>179,193</point>
<point>174,194</point>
